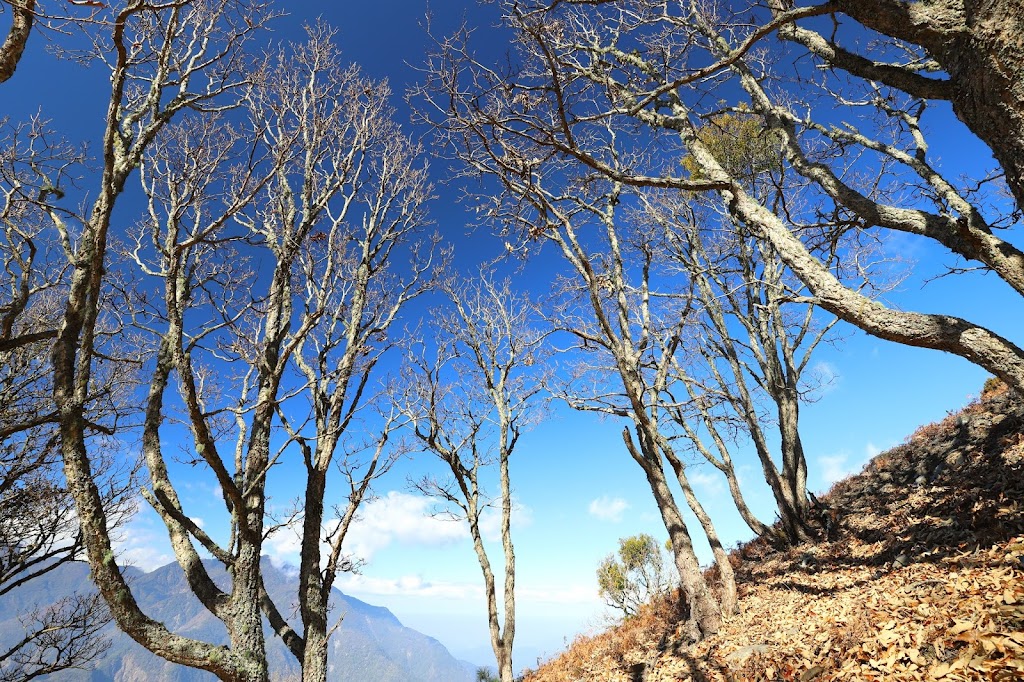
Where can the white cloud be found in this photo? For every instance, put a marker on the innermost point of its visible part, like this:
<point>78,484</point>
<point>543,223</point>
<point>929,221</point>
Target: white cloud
<point>745,473</point>
<point>608,508</point>
<point>823,378</point>
<point>142,542</point>
<point>409,520</point>
<point>408,586</point>
<point>835,468</point>
<point>490,520</point>
<point>394,518</point>
<point>712,484</point>
<point>418,586</point>
<point>397,518</point>
<point>283,545</point>
<point>401,518</point>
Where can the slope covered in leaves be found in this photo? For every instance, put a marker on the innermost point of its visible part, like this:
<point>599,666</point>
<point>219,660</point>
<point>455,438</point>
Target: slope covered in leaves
<point>923,578</point>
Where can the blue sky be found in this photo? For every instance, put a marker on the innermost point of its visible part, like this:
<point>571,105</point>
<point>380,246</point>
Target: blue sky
<point>576,488</point>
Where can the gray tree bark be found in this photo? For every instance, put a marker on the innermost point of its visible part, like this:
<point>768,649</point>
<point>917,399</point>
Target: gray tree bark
<point>705,611</point>
<point>978,44</point>
<point>23,16</point>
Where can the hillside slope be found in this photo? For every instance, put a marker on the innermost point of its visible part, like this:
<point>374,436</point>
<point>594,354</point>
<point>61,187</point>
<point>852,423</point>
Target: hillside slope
<point>371,643</point>
<point>923,579</point>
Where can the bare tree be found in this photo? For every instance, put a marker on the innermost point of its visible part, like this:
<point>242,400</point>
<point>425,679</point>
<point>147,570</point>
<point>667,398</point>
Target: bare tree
<point>39,529</point>
<point>628,329</point>
<point>260,284</point>
<point>469,398</point>
<point>637,328</point>
<point>749,340</point>
<point>361,217</point>
<point>320,188</point>
<point>164,60</point>
<point>898,145</point>
<point>39,533</point>
<point>657,72</point>
<point>625,333</point>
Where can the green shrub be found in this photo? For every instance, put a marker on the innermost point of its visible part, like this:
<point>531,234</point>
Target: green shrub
<point>638,573</point>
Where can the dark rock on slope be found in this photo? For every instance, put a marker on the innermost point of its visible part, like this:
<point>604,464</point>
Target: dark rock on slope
<point>957,483</point>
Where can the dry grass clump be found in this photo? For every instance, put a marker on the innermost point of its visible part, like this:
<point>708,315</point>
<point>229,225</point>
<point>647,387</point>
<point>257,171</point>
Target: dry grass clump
<point>993,388</point>
<point>620,652</point>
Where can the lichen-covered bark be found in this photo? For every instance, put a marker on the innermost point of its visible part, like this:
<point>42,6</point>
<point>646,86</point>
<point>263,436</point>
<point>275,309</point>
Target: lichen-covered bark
<point>980,45</point>
<point>705,612</point>
<point>312,600</point>
<point>509,631</point>
<point>71,358</point>
<point>23,13</point>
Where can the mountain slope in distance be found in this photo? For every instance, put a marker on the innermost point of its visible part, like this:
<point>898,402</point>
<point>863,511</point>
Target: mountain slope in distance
<point>370,644</point>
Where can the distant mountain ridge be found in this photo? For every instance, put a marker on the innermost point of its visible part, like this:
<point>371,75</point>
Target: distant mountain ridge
<point>371,643</point>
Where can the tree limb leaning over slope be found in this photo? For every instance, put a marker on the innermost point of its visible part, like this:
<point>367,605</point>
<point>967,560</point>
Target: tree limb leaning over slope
<point>620,64</point>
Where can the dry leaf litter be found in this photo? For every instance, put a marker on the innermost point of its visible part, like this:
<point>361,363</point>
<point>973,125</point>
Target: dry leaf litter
<point>924,579</point>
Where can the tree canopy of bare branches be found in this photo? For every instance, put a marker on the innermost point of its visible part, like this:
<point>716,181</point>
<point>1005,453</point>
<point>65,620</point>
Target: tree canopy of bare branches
<point>469,397</point>
<point>282,232</point>
<point>851,136</point>
<point>280,249</point>
<point>39,528</point>
<point>963,52</point>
